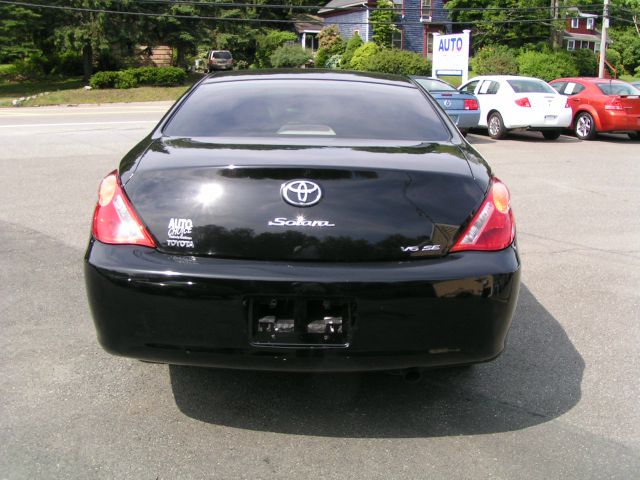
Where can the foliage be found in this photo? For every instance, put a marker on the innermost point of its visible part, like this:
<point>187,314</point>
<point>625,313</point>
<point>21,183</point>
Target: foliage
<point>362,54</point>
<point>67,64</point>
<point>8,72</point>
<point>132,77</point>
<point>547,65</point>
<point>615,58</point>
<point>289,56</point>
<point>333,62</point>
<point>321,58</point>
<point>269,43</point>
<point>19,27</point>
<point>401,62</point>
<point>586,62</point>
<point>381,20</point>
<point>627,42</point>
<point>32,67</point>
<point>353,44</point>
<point>330,40</point>
<point>496,60</point>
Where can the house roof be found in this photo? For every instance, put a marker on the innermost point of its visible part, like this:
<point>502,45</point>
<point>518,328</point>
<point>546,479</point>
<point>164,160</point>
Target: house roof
<point>574,12</point>
<point>307,23</point>
<point>341,4</point>
<point>585,37</point>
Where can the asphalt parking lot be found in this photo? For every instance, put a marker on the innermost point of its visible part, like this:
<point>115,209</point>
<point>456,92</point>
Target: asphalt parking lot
<point>561,402</point>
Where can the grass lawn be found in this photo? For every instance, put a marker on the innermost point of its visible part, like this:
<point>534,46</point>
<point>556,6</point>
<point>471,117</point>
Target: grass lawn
<point>71,92</point>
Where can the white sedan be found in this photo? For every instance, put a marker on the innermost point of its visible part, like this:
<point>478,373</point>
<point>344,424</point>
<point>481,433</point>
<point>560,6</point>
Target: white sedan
<point>510,102</point>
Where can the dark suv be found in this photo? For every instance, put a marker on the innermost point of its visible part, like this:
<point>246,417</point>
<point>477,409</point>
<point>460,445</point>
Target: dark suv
<point>219,60</point>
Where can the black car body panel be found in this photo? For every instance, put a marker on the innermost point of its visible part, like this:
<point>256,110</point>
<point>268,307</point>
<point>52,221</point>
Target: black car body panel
<point>374,275</point>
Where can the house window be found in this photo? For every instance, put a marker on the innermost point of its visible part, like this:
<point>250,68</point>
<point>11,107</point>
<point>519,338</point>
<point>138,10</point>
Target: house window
<point>396,39</point>
<point>426,8</point>
<point>584,44</point>
<point>575,22</point>
<point>398,8</point>
<point>591,23</point>
<point>571,44</point>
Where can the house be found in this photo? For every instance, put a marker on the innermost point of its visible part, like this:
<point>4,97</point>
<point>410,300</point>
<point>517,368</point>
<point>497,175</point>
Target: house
<point>416,21</point>
<point>307,27</point>
<point>580,31</point>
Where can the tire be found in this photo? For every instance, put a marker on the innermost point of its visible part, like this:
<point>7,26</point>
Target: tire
<point>496,127</point>
<point>634,135</point>
<point>585,127</point>
<point>551,134</point>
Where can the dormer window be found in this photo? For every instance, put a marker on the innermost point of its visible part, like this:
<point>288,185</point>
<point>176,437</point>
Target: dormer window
<point>575,22</point>
<point>591,23</point>
<point>426,8</point>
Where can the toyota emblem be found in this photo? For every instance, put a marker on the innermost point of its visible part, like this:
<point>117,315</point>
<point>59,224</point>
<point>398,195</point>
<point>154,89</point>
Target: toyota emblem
<point>301,193</point>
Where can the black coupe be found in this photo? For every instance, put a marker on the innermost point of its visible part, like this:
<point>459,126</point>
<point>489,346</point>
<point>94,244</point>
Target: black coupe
<point>303,221</point>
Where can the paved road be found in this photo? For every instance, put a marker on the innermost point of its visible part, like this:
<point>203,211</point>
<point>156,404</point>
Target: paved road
<point>561,402</point>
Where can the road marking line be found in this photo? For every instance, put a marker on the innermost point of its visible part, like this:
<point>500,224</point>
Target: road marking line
<point>69,114</point>
<point>74,124</point>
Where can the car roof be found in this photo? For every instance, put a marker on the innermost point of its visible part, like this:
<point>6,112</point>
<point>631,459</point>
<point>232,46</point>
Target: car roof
<point>588,80</point>
<point>504,77</point>
<point>311,74</point>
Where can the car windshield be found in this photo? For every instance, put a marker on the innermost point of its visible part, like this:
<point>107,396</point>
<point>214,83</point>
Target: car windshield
<point>530,86</point>
<point>432,85</point>
<point>618,88</point>
<point>223,55</point>
<point>308,108</point>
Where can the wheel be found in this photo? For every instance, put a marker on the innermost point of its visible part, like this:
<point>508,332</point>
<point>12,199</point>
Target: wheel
<point>585,127</point>
<point>551,134</point>
<point>634,135</point>
<point>496,126</point>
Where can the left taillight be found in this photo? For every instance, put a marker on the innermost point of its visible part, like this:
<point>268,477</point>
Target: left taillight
<point>114,220</point>
<point>470,104</point>
<point>493,227</point>
<point>523,102</point>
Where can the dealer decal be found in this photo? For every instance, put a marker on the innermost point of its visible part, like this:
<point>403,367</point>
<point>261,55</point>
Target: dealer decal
<point>179,233</point>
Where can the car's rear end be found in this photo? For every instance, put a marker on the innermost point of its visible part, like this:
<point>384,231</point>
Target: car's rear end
<point>618,106</point>
<point>536,105</point>
<point>277,245</point>
<point>220,60</point>
<point>461,107</point>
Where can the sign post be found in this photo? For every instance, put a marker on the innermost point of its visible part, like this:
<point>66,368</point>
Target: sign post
<point>451,55</point>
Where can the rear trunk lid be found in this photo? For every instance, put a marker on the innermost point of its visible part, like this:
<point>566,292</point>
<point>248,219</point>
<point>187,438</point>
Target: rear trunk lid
<point>234,201</point>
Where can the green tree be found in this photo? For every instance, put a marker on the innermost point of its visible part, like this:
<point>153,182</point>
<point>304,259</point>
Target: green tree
<point>353,44</point>
<point>381,20</point>
<point>17,29</point>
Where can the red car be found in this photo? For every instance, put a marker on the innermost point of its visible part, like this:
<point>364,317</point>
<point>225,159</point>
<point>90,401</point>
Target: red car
<point>601,105</point>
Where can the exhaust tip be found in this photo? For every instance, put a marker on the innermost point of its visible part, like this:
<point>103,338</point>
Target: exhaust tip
<point>412,375</point>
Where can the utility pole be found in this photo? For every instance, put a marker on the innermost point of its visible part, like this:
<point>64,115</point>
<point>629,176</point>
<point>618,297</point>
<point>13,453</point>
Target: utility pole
<point>555,15</point>
<point>603,39</point>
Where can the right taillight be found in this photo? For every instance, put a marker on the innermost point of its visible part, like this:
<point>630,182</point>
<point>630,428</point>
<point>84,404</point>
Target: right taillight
<point>470,104</point>
<point>114,220</point>
<point>493,226</point>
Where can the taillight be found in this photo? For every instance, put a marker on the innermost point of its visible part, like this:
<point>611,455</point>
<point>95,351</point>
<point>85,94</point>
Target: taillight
<point>114,220</point>
<point>493,226</point>
<point>566,104</point>
<point>614,104</point>
<point>523,102</point>
<point>470,104</point>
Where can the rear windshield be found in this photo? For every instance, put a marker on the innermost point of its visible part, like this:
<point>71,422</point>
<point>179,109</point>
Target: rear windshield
<point>618,89</point>
<point>431,85</point>
<point>530,86</point>
<point>224,55</point>
<point>307,108</point>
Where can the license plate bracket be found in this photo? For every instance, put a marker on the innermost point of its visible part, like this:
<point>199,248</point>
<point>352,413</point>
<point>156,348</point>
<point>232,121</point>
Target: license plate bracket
<point>301,322</point>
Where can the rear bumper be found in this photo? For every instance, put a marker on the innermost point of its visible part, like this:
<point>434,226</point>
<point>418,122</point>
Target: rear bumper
<point>193,311</point>
<point>464,119</point>
<point>616,121</point>
<point>554,120</point>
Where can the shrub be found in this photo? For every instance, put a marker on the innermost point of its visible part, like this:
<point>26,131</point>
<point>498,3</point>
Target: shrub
<point>241,65</point>
<point>547,65</point>
<point>132,77</point>
<point>68,64</point>
<point>289,56</point>
<point>353,44</point>
<point>586,62</point>
<point>8,72</point>
<point>104,79</point>
<point>333,62</point>
<point>269,43</point>
<point>31,68</point>
<point>329,38</point>
<point>496,60</point>
<point>126,79</point>
<point>401,62</point>
<point>615,58</point>
<point>361,56</point>
<point>321,58</point>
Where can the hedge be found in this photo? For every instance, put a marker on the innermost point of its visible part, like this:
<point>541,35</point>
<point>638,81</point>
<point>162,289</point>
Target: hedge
<point>133,77</point>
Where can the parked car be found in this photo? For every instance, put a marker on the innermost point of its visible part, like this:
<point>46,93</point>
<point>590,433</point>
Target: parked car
<point>461,107</point>
<point>635,84</point>
<point>275,221</point>
<point>510,102</point>
<point>219,60</point>
<point>601,105</point>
